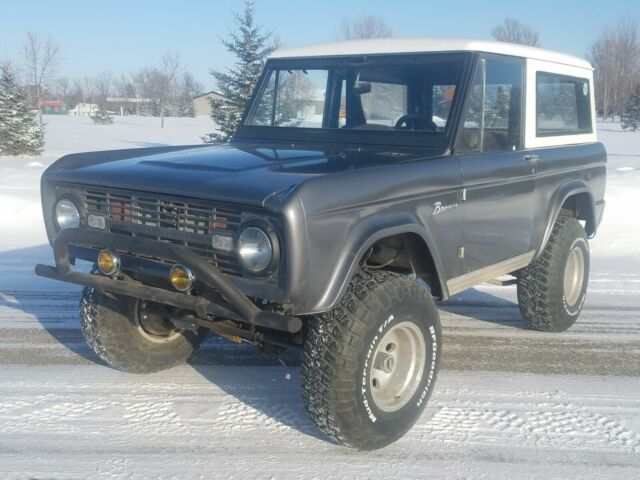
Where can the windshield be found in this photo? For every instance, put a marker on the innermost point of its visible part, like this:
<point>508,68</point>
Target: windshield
<point>414,93</point>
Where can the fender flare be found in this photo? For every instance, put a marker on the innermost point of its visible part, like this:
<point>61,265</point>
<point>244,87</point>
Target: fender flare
<point>389,231</point>
<point>564,192</point>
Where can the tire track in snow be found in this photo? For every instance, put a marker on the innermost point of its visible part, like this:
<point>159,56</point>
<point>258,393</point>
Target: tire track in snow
<point>578,419</point>
<point>209,421</point>
<point>484,332</point>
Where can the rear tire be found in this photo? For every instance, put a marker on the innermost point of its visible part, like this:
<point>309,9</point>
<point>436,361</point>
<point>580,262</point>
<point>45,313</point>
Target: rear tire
<point>111,327</point>
<point>369,366</point>
<point>552,290</point>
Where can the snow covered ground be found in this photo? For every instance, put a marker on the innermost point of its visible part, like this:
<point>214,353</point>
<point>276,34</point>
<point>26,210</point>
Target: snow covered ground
<point>509,403</point>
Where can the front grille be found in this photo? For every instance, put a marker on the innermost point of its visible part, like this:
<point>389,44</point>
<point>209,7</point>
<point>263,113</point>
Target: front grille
<point>167,219</point>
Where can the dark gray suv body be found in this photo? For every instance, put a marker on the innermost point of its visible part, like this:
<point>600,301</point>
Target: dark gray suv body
<point>449,161</point>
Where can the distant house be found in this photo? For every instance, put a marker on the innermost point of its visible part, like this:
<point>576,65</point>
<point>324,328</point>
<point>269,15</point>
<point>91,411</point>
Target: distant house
<point>53,107</point>
<point>202,105</point>
<point>84,109</point>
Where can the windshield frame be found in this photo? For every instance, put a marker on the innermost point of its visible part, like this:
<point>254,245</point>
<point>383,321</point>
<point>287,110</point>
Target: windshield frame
<point>352,136</point>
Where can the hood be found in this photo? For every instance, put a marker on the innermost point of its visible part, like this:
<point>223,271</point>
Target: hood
<point>238,173</point>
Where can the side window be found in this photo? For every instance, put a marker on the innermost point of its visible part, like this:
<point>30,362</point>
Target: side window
<point>300,98</point>
<point>492,121</point>
<point>384,104</point>
<point>563,105</point>
<point>442,98</point>
<point>291,98</point>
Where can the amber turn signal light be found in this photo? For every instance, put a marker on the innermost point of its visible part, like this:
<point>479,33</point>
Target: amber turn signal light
<point>108,262</point>
<point>182,278</point>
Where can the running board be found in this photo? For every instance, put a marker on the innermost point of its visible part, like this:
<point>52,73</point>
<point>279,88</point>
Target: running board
<point>485,274</point>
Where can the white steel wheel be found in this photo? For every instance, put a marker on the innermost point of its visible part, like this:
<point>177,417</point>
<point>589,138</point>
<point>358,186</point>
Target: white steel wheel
<point>397,366</point>
<point>153,327</point>
<point>573,276</point>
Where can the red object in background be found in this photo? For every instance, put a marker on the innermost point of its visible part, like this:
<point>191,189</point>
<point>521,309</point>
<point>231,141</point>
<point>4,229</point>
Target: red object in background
<point>56,104</point>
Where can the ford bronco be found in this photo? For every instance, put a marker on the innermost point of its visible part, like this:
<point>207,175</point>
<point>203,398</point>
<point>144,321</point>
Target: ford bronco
<point>365,179</point>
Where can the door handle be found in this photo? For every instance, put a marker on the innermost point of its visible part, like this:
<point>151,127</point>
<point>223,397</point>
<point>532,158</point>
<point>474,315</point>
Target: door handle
<point>531,158</point>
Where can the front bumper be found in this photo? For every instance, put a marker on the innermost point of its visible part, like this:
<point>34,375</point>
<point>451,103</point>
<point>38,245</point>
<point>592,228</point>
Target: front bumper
<point>230,302</point>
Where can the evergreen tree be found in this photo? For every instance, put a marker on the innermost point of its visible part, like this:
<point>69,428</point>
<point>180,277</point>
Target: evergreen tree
<point>20,133</point>
<point>102,116</point>
<point>631,115</point>
<point>251,45</point>
<point>185,107</point>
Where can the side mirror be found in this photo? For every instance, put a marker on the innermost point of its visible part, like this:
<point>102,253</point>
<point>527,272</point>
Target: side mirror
<point>360,88</point>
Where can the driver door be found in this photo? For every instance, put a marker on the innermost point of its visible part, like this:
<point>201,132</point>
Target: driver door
<point>497,178</point>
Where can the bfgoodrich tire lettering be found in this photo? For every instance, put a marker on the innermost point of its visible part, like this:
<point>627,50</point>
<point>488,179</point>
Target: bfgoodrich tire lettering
<point>339,351</point>
<point>546,301</point>
<point>108,325</point>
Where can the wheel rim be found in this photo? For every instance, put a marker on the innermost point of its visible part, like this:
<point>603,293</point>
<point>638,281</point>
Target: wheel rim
<point>574,276</point>
<point>153,327</point>
<point>397,366</point>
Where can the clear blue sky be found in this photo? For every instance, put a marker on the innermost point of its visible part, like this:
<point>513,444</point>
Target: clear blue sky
<point>122,36</point>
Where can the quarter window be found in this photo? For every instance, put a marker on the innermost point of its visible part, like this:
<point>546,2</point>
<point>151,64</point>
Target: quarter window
<point>563,105</point>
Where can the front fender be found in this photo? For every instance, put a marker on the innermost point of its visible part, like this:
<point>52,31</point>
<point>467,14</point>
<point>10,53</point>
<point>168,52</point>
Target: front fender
<point>325,291</point>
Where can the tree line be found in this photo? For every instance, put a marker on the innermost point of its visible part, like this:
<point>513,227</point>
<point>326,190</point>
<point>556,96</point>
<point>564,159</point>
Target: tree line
<point>164,89</point>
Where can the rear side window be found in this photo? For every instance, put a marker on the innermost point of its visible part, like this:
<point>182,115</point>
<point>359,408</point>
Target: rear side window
<point>563,105</point>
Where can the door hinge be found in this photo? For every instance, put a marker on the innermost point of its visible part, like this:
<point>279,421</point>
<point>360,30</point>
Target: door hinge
<point>462,194</point>
<point>460,253</point>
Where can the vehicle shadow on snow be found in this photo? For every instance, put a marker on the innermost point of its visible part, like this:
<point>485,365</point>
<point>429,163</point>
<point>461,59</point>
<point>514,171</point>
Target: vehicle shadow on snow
<point>485,307</point>
<point>53,304</point>
<point>274,398</point>
<point>271,396</point>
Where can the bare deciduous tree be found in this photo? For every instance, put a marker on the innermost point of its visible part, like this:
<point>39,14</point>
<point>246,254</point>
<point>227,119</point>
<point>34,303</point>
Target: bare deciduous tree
<point>615,56</point>
<point>124,87</point>
<point>40,60</point>
<point>513,31</point>
<point>76,94</point>
<point>62,86</point>
<point>368,26</point>
<point>188,89</point>
<point>170,65</point>
<point>88,89</point>
<point>103,85</point>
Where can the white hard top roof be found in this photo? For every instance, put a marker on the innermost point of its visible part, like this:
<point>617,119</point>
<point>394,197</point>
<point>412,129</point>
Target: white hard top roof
<point>380,46</point>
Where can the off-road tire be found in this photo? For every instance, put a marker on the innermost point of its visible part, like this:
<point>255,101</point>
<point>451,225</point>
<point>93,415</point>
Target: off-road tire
<point>108,325</point>
<point>335,371</point>
<point>541,293</point>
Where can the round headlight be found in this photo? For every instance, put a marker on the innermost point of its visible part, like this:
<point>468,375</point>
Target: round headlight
<point>255,249</point>
<point>67,214</point>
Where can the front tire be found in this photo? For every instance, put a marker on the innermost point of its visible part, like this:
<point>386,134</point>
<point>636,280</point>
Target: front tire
<point>112,327</point>
<point>552,290</point>
<point>369,366</point>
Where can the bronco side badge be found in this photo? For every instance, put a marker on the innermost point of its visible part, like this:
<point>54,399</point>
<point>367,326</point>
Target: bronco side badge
<point>438,207</point>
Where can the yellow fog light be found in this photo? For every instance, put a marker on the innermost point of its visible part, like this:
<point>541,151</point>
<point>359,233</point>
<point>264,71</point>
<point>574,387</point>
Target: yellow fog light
<point>108,262</point>
<point>181,278</point>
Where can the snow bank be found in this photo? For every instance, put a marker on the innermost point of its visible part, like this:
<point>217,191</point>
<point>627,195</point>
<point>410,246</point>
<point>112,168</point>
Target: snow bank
<point>21,217</point>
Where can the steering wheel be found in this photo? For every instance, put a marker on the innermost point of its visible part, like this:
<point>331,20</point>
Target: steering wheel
<point>413,121</point>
